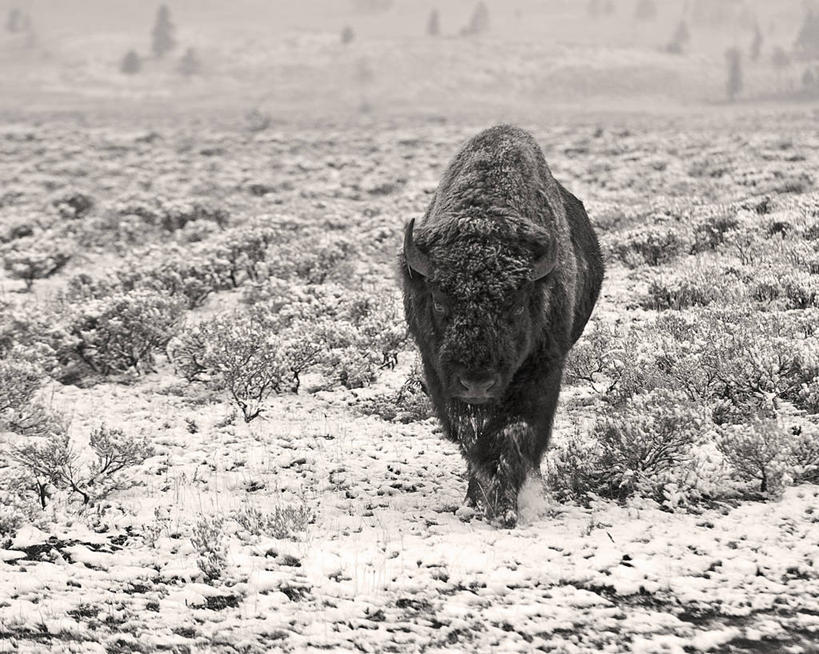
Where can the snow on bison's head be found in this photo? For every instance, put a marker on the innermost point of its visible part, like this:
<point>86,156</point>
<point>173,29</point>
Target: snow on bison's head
<point>475,300</point>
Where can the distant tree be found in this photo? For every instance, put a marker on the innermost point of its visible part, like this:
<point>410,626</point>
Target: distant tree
<point>433,24</point>
<point>756,43</point>
<point>781,62</point>
<point>734,85</point>
<point>594,8</point>
<point>131,63</point>
<point>14,21</point>
<point>645,10</point>
<point>608,8</point>
<point>479,21</point>
<point>347,35</point>
<point>680,38</point>
<point>808,79</point>
<point>189,64</point>
<point>162,38</point>
<point>807,41</point>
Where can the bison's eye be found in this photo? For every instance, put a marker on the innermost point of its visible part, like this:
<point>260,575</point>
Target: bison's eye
<point>438,307</point>
<point>519,309</point>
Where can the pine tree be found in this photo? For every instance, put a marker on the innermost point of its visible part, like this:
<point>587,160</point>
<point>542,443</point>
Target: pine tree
<point>347,35</point>
<point>189,64</point>
<point>131,63</point>
<point>479,22</point>
<point>756,44</point>
<point>594,8</point>
<point>14,21</point>
<point>680,39</point>
<point>807,41</point>
<point>734,59</point>
<point>433,24</point>
<point>645,10</point>
<point>162,39</point>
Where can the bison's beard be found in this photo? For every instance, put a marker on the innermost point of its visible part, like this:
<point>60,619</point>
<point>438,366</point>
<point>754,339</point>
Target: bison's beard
<point>469,421</point>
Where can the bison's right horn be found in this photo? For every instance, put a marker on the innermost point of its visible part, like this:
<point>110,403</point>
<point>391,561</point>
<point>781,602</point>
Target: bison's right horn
<point>416,260</point>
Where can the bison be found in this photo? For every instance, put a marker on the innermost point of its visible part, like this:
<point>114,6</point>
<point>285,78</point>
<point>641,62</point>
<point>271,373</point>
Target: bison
<point>499,279</point>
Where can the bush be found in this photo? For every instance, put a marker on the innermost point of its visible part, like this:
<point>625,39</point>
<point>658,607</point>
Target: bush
<point>711,233</point>
<point>285,521</point>
<point>648,246</point>
<point>643,441</point>
<point>209,539</point>
<point>28,259</point>
<point>756,452</point>
<point>238,353</point>
<point>121,332</point>
<point>73,205</point>
<point>54,461</point>
<point>410,403</point>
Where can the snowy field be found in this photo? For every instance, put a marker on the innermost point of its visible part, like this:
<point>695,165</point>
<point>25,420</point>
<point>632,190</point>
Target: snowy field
<point>332,520</point>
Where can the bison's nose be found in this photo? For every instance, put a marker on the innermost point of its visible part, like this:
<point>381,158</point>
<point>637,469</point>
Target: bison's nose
<point>477,385</point>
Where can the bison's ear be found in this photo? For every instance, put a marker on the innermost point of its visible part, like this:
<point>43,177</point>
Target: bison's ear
<point>545,259</point>
<point>417,261</point>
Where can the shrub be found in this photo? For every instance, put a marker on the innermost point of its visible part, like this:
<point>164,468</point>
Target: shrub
<point>54,461</point>
<point>756,452</point>
<point>237,353</point>
<point>284,521</point>
<point>121,332</point>
<point>803,454</point>
<point>410,403</point>
<point>73,205</point>
<point>209,539</point>
<point>648,246</point>
<point>644,440</point>
<point>711,233</point>
<point>28,259</point>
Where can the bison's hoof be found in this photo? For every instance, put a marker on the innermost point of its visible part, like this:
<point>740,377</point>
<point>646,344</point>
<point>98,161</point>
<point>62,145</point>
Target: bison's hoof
<point>506,520</point>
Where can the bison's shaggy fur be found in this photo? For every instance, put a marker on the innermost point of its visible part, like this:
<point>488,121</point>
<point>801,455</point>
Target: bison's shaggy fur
<point>499,280</point>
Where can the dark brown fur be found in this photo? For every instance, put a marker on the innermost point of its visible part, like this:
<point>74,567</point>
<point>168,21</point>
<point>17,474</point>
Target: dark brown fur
<point>479,315</point>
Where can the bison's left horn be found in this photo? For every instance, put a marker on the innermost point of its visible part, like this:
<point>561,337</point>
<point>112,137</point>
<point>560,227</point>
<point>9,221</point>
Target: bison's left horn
<point>416,260</point>
<point>546,262</point>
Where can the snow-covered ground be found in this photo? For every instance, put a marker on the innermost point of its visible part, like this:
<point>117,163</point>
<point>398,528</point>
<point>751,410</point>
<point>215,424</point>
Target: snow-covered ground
<point>381,556</point>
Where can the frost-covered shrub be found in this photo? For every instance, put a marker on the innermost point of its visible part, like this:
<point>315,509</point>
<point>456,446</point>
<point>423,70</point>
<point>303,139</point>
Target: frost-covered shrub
<point>711,233</point>
<point>312,262</point>
<point>756,452</point>
<point>641,448</point>
<point>284,521</point>
<point>696,287</point>
<point>54,461</point>
<point>410,403</point>
<point>179,273</point>
<point>19,381</point>
<point>591,356</point>
<point>644,440</point>
<point>803,454</point>
<point>73,205</point>
<point>209,539</point>
<point>648,246</point>
<point>237,353</point>
<point>29,259</point>
<point>241,250</point>
<point>121,332</point>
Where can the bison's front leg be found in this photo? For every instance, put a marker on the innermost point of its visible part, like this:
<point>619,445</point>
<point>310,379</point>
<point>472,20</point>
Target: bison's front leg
<point>498,465</point>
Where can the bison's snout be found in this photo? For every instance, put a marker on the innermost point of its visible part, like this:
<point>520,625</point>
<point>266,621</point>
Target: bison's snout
<point>476,388</point>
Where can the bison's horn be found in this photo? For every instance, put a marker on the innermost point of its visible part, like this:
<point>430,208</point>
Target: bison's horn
<point>546,262</point>
<point>416,260</point>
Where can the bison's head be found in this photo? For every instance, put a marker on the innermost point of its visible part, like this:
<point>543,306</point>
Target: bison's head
<point>475,302</point>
